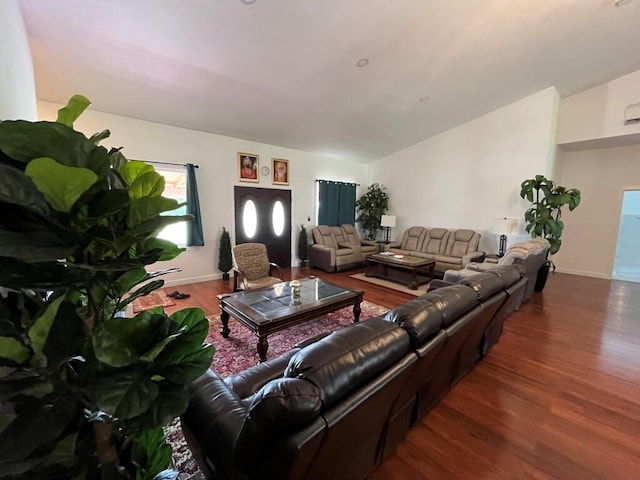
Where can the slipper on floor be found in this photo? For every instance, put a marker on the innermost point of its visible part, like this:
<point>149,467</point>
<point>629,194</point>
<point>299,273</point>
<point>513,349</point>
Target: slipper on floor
<point>174,294</point>
<point>181,296</point>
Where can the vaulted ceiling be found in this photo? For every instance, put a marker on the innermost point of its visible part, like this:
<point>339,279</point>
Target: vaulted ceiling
<point>284,72</point>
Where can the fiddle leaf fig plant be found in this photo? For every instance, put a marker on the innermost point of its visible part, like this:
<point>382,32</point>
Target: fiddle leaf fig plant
<point>85,388</point>
<point>543,217</point>
<point>370,207</point>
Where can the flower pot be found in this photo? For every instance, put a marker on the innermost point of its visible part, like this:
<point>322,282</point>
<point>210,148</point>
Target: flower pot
<point>541,278</point>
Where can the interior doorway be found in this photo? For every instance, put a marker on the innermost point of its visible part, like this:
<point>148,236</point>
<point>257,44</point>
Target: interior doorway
<point>263,215</point>
<point>626,264</point>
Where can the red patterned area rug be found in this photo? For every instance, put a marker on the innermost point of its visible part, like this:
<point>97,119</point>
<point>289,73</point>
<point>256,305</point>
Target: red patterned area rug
<point>156,298</point>
<point>238,352</point>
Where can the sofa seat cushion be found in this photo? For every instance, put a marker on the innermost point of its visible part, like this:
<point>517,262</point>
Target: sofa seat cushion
<point>262,283</point>
<point>343,361</point>
<point>448,259</point>
<point>341,252</point>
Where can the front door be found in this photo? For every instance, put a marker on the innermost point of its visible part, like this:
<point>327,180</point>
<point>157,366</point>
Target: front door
<point>263,215</point>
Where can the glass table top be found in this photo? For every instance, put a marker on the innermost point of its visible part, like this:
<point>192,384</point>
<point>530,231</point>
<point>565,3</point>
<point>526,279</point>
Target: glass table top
<point>277,301</point>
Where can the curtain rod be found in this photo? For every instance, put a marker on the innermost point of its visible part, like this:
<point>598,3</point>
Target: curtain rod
<point>169,163</point>
<point>337,181</point>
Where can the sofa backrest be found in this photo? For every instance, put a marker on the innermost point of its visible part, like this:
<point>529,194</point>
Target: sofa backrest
<point>338,236</point>
<point>435,241</point>
<point>322,236</point>
<point>351,234</point>
<point>484,285</point>
<point>461,242</point>
<point>413,238</point>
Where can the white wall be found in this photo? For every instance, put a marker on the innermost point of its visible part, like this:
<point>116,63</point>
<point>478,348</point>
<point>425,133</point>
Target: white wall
<point>470,175</point>
<point>598,113</point>
<point>217,156</point>
<point>591,230</point>
<point>17,90</point>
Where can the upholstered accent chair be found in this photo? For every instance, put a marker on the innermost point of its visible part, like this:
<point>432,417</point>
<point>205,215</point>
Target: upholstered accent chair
<point>252,268</point>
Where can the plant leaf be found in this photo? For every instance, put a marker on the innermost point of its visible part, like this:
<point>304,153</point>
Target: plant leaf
<point>64,453</point>
<point>13,350</point>
<point>39,331</point>
<point>125,395</point>
<point>169,249</point>
<point>132,169</point>
<point>141,209</point>
<point>148,184</point>
<point>62,186</point>
<point>151,454</point>
<point>73,109</point>
<point>17,189</point>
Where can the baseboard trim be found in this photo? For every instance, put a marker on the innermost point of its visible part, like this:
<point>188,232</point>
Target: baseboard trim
<point>583,273</point>
<point>184,281</point>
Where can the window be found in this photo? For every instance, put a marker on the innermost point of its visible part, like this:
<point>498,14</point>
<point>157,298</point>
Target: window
<point>175,178</point>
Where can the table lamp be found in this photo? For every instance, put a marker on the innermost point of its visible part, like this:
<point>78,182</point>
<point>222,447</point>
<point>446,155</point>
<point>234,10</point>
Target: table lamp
<point>387,221</point>
<point>503,227</point>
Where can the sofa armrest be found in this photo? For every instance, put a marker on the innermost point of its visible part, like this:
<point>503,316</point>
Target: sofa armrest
<point>249,381</point>
<point>472,257</point>
<point>215,417</point>
<point>322,257</point>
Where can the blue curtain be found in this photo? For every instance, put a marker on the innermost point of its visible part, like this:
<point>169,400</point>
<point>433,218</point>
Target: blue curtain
<point>337,203</point>
<point>195,237</point>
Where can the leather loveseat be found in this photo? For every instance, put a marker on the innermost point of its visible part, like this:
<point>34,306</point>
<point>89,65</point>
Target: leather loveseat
<point>333,409</point>
<point>451,249</point>
<point>338,248</point>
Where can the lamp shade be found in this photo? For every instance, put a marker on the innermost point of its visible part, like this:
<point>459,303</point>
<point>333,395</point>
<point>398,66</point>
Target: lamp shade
<point>388,221</point>
<point>504,226</point>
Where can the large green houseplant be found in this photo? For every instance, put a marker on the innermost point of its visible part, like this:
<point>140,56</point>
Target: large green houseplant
<point>544,216</point>
<point>84,389</point>
<point>370,207</point>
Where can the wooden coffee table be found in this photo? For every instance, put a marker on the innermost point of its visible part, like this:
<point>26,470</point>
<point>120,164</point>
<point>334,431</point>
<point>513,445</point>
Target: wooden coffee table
<point>386,266</point>
<point>269,310</point>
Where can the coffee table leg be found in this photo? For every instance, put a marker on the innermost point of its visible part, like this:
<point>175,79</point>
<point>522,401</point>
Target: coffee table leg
<point>414,280</point>
<point>356,312</point>
<point>263,345</point>
<point>224,318</point>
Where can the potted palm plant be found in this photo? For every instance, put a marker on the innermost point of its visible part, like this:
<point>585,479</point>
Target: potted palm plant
<point>370,207</point>
<point>544,216</point>
<point>86,388</point>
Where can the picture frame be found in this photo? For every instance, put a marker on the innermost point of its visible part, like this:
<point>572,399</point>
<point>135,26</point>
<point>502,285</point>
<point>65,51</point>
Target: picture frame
<point>279,171</point>
<point>248,167</point>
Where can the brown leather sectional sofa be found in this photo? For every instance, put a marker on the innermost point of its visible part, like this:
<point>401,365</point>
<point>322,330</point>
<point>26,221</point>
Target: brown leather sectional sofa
<point>451,249</point>
<point>334,408</point>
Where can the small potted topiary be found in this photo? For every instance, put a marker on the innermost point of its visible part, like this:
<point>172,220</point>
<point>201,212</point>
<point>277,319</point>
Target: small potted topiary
<point>225,259</point>
<point>303,246</point>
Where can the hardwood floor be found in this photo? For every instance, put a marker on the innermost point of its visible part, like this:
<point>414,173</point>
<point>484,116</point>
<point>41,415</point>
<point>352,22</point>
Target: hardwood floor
<point>558,397</point>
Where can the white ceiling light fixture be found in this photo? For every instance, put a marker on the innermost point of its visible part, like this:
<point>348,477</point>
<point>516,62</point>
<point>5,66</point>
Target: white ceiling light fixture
<point>248,2</point>
<point>426,98</point>
<point>620,3</point>
<point>363,62</point>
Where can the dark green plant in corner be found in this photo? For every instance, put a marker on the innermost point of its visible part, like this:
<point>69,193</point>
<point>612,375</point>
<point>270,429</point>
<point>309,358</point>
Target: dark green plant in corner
<point>370,207</point>
<point>543,218</point>
<point>225,259</point>
<point>85,390</point>
<point>303,246</point>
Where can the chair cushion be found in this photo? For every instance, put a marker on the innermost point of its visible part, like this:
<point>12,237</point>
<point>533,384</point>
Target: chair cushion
<point>252,260</point>
<point>261,283</point>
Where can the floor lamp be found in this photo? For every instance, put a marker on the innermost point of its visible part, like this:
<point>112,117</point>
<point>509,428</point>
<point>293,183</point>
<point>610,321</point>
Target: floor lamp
<point>503,227</point>
<point>387,221</point>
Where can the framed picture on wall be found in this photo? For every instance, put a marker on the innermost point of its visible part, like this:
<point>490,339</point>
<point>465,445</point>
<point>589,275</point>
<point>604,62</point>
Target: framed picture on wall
<point>248,165</point>
<point>279,171</point>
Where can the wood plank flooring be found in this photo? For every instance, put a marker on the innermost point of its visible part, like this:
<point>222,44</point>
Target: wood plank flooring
<point>558,397</point>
